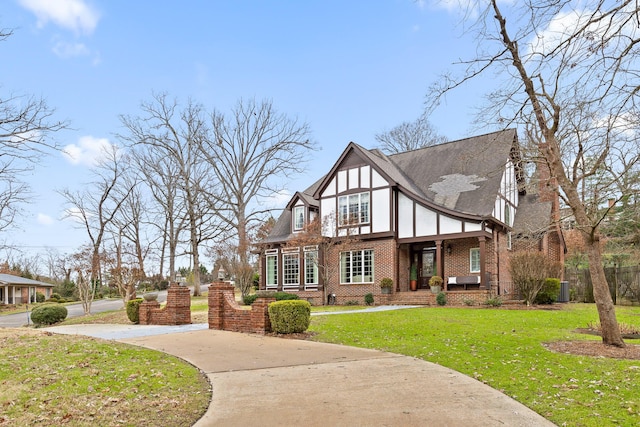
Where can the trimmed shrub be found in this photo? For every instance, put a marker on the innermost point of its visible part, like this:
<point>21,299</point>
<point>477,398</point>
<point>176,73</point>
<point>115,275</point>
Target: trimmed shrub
<point>48,314</point>
<point>368,299</point>
<point>549,292</point>
<point>441,298</point>
<point>249,299</point>
<point>39,297</point>
<point>494,302</point>
<point>289,317</point>
<point>133,310</point>
<point>284,296</point>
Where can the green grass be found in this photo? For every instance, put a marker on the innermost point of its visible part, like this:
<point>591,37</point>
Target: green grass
<point>50,379</point>
<point>504,349</point>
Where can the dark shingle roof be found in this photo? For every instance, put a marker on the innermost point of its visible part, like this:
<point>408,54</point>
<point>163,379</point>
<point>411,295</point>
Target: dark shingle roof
<point>532,217</point>
<point>462,175</point>
<point>10,279</point>
<point>282,228</point>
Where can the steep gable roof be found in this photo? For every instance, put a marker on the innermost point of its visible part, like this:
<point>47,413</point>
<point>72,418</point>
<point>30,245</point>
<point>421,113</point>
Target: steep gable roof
<point>281,231</point>
<point>462,175</point>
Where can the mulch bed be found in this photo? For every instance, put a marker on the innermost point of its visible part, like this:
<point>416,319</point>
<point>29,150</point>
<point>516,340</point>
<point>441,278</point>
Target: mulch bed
<point>595,349</point>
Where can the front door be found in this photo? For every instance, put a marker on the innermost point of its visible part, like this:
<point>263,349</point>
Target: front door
<point>427,267</point>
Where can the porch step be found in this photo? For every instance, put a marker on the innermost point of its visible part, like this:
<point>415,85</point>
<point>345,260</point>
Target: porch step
<point>419,297</point>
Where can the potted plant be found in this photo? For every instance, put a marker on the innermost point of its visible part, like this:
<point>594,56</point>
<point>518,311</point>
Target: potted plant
<point>413,277</point>
<point>435,283</point>
<point>386,284</point>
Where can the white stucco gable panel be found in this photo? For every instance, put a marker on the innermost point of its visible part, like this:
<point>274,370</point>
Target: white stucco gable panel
<point>377,180</point>
<point>449,225</point>
<point>342,181</point>
<point>380,211</point>
<point>365,176</point>
<point>354,181</point>
<point>405,216</point>
<point>472,226</point>
<point>328,209</point>
<point>330,190</point>
<point>426,221</point>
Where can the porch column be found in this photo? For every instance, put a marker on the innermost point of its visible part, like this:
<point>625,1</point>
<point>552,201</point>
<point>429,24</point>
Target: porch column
<point>483,260</point>
<point>439,260</point>
<point>5,294</point>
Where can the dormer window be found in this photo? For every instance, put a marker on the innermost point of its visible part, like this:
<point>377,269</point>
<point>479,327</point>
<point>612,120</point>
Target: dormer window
<point>298,218</point>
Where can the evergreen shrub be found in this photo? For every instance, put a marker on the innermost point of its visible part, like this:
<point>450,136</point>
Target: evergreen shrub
<point>133,310</point>
<point>549,292</point>
<point>48,314</point>
<point>290,316</point>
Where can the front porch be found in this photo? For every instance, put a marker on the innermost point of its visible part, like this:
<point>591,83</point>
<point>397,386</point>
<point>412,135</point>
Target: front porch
<point>426,297</point>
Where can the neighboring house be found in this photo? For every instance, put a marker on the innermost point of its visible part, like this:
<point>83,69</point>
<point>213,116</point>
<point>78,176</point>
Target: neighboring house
<point>454,210</point>
<point>18,290</point>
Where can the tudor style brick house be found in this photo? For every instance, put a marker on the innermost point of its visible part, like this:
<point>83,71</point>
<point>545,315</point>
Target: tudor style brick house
<point>456,210</point>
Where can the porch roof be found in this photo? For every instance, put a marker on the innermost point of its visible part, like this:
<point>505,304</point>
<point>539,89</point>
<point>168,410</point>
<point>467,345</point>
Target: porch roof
<point>10,279</point>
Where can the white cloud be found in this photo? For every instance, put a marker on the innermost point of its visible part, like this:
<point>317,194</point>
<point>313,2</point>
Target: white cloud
<point>73,15</point>
<point>277,200</point>
<point>74,215</point>
<point>44,219</point>
<point>68,50</point>
<point>89,151</point>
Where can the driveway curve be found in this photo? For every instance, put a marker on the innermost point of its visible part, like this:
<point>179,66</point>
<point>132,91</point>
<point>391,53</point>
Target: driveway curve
<point>285,382</point>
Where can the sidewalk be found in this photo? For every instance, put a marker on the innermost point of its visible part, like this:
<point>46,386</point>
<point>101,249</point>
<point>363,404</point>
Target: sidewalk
<point>284,382</point>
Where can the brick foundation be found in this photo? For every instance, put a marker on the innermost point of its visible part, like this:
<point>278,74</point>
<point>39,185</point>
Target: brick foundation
<point>225,313</point>
<point>177,311</point>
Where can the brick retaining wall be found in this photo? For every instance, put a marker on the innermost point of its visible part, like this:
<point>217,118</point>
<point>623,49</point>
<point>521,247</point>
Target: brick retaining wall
<point>225,313</point>
<point>177,311</point>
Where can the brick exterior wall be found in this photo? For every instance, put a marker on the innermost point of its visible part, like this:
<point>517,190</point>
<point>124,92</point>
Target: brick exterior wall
<point>384,262</point>
<point>225,313</point>
<point>177,310</point>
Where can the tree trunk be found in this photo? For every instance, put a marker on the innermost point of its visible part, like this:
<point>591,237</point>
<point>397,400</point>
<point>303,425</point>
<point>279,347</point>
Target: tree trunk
<point>606,311</point>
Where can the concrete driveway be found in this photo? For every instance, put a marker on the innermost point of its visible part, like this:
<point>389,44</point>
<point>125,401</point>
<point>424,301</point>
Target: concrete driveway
<point>272,381</point>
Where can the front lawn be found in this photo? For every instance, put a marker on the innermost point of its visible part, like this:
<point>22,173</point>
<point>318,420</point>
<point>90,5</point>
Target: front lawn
<point>504,348</point>
<point>49,379</point>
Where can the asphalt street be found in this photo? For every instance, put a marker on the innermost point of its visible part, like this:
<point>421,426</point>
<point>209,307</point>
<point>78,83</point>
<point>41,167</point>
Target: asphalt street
<point>73,310</point>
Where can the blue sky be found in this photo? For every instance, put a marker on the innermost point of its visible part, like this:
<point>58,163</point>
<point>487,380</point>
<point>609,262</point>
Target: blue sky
<point>350,69</point>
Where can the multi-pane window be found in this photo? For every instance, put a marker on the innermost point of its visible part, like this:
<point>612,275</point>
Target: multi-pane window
<point>353,209</point>
<point>356,266</point>
<point>474,260</point>
<point>271,263</point>
<point>298,214</point>
<point>290,270</point>
<point>507,215</point>
<point>310,267</point>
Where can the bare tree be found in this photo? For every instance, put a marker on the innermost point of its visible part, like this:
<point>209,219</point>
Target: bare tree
<point>178,135</point>
<point>409,136</point>
<point>315,233</point>
<point>571,76</point>
<point>160,175</point>
<point>26,123</point>
<point>248,152</point>
<point>95,208</point>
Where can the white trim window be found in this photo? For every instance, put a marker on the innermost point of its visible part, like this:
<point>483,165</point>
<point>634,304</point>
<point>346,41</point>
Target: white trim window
<point>298,218</point>
<point>356,266</point>
<point>271,267</point>
<point>311,267</point>
<point>291,270</point>
<point>474,260</point>
<point>353,209</point>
